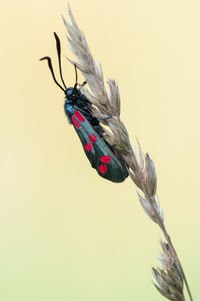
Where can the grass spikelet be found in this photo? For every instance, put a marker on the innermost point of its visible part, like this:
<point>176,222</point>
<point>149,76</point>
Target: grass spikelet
<point>106,107</point>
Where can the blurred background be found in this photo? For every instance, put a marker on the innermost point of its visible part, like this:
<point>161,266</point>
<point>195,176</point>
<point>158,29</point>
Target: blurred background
<point>65,233</point>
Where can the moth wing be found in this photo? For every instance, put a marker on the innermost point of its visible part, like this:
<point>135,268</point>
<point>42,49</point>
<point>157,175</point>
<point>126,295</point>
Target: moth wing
<point>99,154</point>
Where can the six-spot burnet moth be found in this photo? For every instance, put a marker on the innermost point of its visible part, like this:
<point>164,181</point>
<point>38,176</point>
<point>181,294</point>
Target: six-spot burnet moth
<point>108,163</point>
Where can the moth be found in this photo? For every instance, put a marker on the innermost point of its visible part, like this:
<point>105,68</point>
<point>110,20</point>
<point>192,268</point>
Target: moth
<point>108,163</point>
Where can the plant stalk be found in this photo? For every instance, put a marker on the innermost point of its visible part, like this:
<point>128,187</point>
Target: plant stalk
<point>167,237</point>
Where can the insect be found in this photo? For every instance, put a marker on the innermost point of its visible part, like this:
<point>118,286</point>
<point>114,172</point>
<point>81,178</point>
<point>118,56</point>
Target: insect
<point>108,163</point>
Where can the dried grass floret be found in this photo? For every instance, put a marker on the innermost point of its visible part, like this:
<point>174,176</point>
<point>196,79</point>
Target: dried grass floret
<point>169,279</point>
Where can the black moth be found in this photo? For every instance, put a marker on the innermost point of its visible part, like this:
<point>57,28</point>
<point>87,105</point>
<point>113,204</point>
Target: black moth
<point>108,163</point>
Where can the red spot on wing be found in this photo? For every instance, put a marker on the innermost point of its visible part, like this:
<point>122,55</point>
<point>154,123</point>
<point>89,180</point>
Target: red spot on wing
<point>103,169</point>
<point>88,147</point>
<point>79,116</point>
<point>105,159</point>
<point>92,138</point>
<point>75,122</point>
<point>115,154</point>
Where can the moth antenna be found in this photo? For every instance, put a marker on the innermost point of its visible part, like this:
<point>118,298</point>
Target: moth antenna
<point>84,83</point>
<point>51,69</point>
<point>59,57</point>
<point>76,82</point>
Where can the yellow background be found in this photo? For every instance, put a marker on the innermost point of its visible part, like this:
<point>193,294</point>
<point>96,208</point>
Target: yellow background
<point>65,233</point>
